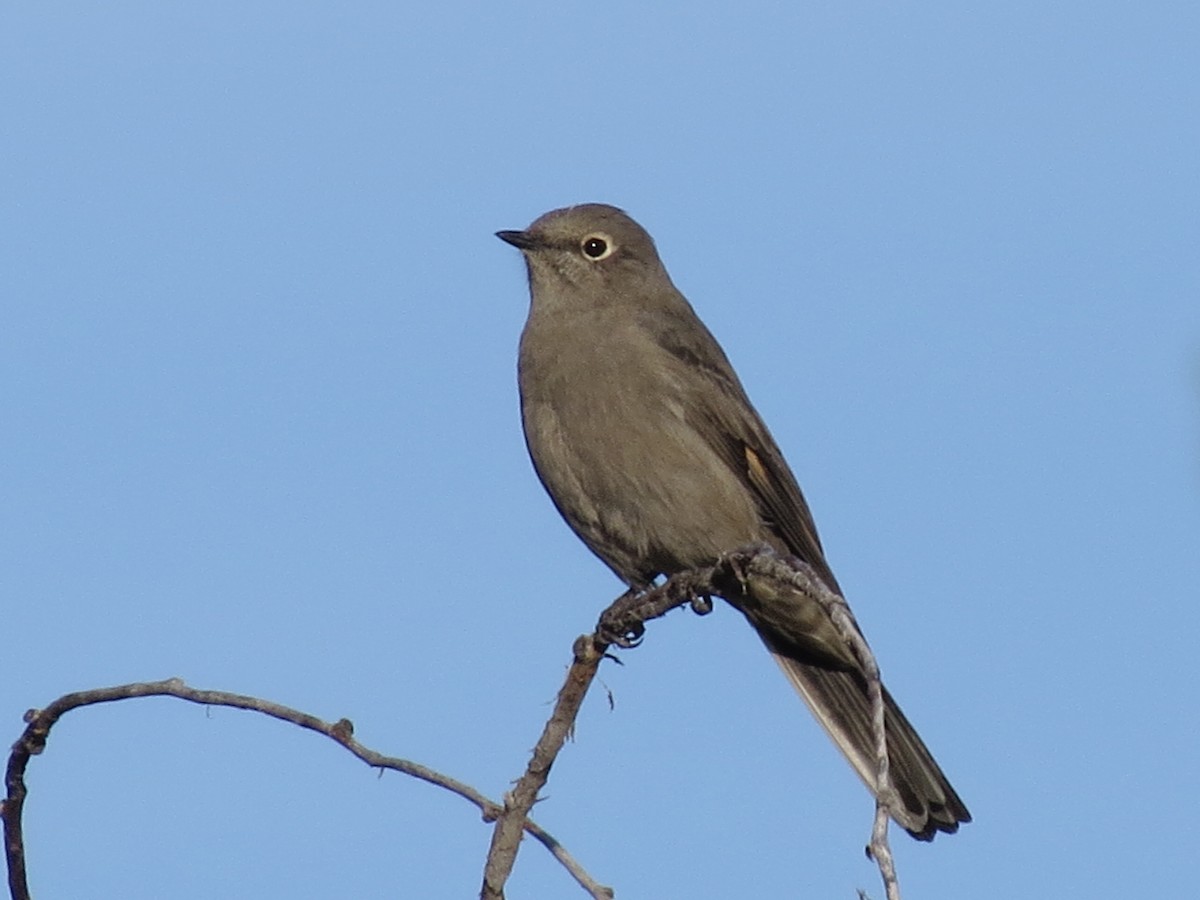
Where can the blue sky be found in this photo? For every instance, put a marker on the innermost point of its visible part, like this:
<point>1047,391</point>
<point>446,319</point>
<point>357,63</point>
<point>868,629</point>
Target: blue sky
<point>260,432</point>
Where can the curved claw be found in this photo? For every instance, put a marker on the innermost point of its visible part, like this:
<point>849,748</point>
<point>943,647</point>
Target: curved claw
<point>631,640</point>
<point>701,604</point>
<point>625,637</point>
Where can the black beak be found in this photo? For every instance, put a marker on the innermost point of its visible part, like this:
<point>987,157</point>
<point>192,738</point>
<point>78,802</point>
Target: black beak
<point>522,240</point>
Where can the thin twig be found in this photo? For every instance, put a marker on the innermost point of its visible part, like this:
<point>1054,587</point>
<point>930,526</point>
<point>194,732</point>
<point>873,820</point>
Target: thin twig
<point>623,624</point>
<point>39,723</point>
<point>506,837</point>
<point>763,562</point>
<point>728,578</point>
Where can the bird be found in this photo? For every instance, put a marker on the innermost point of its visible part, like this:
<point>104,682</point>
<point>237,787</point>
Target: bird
<point>649,447</point>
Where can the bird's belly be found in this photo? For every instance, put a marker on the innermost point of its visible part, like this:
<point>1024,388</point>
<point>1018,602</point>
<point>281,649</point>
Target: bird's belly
<point>638,484</point>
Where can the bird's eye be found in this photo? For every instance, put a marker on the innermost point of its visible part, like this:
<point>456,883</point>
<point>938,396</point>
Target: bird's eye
<point>596,246</point>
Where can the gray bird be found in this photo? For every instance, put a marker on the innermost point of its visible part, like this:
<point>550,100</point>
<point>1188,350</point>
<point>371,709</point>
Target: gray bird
<point>643,436</point>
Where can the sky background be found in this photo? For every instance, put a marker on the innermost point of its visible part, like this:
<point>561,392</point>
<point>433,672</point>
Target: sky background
<point>259,430</point>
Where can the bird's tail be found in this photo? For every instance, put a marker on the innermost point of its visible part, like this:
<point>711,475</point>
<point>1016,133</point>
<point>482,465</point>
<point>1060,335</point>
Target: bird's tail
<point>840,702</point>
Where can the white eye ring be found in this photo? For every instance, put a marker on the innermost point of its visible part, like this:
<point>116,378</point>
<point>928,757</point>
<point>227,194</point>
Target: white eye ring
<point>596,246</point>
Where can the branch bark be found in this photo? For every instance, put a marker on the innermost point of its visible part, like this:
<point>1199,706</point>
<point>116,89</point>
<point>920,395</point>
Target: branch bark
<point>506,836</point>
<point>41,721</point>
<point>762,561</point>
<point>623,625</point>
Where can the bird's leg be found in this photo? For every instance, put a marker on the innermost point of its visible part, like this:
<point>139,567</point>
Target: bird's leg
<point>693,586</point>
<point>738,561</point>
<point>701,604</point>
<point>623,623</point>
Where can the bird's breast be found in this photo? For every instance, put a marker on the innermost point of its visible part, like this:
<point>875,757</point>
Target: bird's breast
<point>608,427</point>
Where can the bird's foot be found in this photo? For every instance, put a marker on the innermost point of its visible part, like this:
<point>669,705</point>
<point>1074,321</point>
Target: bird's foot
<point>701,604</point>
<point>620,624</point>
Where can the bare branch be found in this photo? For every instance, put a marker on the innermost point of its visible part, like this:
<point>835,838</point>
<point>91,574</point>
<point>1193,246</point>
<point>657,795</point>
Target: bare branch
<point>623,624</point>
<point>506,837</point>
<point>762,561</point>
<point>39,723</point>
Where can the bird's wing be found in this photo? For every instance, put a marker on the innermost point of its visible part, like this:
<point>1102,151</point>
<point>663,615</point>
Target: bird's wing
<point>725,418</point>
<point>825,675</point>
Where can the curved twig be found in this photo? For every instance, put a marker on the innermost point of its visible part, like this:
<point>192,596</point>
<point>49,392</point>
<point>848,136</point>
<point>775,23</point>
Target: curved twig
<point>40,721</point>
<point>623,624</point>
<point>764,562</point>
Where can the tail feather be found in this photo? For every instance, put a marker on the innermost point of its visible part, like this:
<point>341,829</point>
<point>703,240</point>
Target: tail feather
<point>840,703</point>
